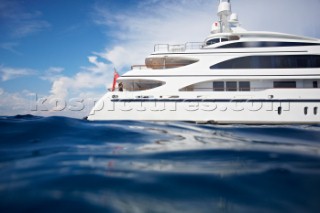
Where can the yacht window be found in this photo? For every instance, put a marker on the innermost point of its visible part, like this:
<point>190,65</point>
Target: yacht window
<point>306,110</point>
<point>244,86</point>
<point>257,44</point>
<point>218,86</point>
<point>139,85</point>
<point>271,62</point>
<point>216,40</point>
<point>284,84</point>
<point>315,84</point>
<point>213,41</point>
<point>315,110</point>
<point>231,86</point>
<point>279,110</point>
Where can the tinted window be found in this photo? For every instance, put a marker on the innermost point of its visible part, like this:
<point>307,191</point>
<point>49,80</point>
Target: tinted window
<point>231,86</point>
<point>216,40</point>
<point>271,62</point>
<point>284,84</point>
<point>315,84</point>
<point>244,86</point>
<point>218,86</point>
<point>265,44</point>
<point>139,85</point>
<point>213,41</point>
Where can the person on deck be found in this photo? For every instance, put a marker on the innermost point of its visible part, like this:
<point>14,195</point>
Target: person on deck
<point>120,87</point>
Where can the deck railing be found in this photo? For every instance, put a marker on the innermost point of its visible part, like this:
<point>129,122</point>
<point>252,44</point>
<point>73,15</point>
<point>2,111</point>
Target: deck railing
<point>139,67</point>
<point>178,47</point>
<point>158,67</point>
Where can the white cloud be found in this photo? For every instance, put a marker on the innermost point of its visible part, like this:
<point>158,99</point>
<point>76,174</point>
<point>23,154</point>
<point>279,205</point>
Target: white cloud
<point>52,73</point>
<point>87,85</point>
<point>99,67</point>
<point>180,21</point>
<point>162,21</point>
<point>19,22</point>
<point>124,56</point>
<point>287,16</point>
<point>55,70</point>
<point>136,30</point>
<point>8,73</point>
<point>90,78</point>
<point>15,103</point>
<point>10,46</point>
<point>27,102</point>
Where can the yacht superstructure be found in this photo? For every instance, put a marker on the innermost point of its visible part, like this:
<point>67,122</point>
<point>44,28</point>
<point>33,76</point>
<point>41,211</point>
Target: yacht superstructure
<point>234,76</point>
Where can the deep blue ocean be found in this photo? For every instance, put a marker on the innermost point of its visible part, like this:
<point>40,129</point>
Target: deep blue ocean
<point>59,164</point>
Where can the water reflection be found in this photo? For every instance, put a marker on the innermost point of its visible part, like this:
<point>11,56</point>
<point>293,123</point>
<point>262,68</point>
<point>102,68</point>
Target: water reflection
<point>219,138</point>
<point>157,167</point>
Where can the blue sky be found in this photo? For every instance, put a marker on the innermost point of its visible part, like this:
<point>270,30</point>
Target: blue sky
<point>67,49</point>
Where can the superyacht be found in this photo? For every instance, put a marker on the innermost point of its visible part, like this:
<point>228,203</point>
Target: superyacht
<point>234,76</point>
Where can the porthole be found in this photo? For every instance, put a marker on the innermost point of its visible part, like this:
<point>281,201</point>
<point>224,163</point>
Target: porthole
<point>306,110</point>
<point>315,110</point>
<point>279,110</point>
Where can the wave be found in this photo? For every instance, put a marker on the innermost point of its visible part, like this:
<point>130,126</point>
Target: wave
<point>64,164</point>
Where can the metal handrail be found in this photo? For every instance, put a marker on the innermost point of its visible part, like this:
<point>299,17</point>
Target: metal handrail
<point>139,67</point>
<point>178,47</point>
<point>160,66</point>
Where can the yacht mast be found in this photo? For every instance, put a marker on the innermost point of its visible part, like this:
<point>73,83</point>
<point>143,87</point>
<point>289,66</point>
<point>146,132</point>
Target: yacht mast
<point>224,12</point>
<point>228,21</point>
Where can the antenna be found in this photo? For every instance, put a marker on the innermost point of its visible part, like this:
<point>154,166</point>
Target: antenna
<point>228,21</point>
<point>224,12</point>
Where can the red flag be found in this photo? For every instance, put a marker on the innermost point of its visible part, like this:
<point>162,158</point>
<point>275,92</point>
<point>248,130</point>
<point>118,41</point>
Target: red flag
<point>115,77</point>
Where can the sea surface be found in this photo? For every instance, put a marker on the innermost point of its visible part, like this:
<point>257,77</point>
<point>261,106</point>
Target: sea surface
<point>60,164</point>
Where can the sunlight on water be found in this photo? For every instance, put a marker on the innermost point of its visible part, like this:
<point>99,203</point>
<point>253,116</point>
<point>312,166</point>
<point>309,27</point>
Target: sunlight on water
<point>59,164</point>
<point>188,137</point>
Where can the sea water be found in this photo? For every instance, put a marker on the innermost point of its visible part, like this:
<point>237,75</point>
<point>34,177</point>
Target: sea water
<point>59,164</point>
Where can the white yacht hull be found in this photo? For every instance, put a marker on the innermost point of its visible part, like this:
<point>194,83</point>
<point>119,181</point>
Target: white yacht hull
<point>221,109</point>
<point>234,76</point>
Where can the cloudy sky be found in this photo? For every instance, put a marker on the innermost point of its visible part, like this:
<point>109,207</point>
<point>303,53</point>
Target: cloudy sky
<point>67,49</point>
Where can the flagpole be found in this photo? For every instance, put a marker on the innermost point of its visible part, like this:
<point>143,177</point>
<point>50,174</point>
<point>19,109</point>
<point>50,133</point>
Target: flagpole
<point>115,77</point>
